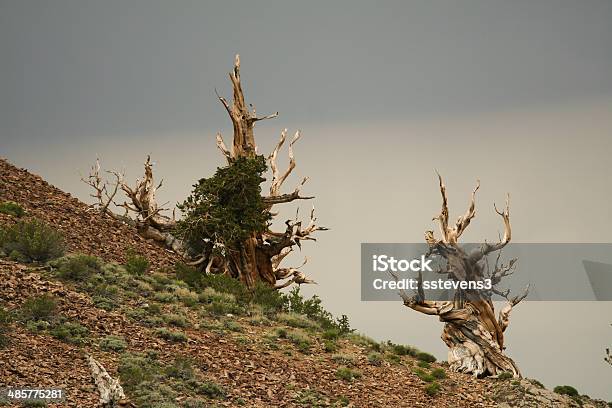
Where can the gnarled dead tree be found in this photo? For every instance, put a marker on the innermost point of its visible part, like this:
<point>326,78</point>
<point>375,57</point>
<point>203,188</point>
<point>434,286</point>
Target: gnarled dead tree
<point>260,256</point>
<point>472,331</point>
<point>140,206</point>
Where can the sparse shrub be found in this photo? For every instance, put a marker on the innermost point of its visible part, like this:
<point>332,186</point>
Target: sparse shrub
<point>423,364</point>
<point>135,264</point>
<point>181,368</point>
<point>187,297</point>
<point>375,359</point>
<point>39,308</point>
<point>257,316</point>
<point>79,267</point>
<point>300,339</point>
<point>281,333</point>
<point>226,284</point>
<point>30,241</point>
<point>422,356</point>
<point>113,343</point>
<point>164,297</point>
<point>344,359</point>
<point>312,308</point>
<point>212,390</point>
<point>232,326</point>
<point>423,375</point>
<point>5,320</point>
<point>135,369</point>
<point>188,274</point>
<point>438,373</point>
<point>393,358</point>
<point>506,375</point>
<point>270,299</point>
<point>403,350</point>
<point>331,334</point>
<point>176,320</point>
<point>11,208</point>
<point>364,341</point>
<point>171,335</point>
<point>309,398</point>
<point>347,374</point>
<point>330,346</point>
<point>219,303</point>
<point>433,389</point>
<point>566,390</point>
<point>296,320</point>
<point>70,332</point>
<point>104,303</point>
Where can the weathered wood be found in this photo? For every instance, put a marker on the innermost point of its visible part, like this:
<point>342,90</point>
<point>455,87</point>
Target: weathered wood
<point>472,331</point>
<point>260,256</point>
<point>111,392</point>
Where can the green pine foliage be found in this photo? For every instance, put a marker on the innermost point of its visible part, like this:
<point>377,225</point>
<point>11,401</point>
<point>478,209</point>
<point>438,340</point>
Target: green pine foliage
<point>226,208</point>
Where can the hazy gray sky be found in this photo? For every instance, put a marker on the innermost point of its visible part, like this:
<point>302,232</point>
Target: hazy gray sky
<point>518,94</point>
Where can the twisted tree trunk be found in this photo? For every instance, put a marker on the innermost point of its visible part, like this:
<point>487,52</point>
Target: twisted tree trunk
<point>472,331</point>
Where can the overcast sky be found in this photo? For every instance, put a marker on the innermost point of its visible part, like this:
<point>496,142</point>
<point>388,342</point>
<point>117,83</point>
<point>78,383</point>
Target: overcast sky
<point>518,94</point>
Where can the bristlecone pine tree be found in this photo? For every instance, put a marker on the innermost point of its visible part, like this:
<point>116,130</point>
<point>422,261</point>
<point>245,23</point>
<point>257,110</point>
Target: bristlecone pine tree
<point>227,219</point>
<point>225,229</point>
<point>472,331</point>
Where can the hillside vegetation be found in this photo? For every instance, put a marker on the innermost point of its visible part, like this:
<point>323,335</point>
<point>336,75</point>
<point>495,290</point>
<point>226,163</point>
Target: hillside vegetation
<point>73,283</point>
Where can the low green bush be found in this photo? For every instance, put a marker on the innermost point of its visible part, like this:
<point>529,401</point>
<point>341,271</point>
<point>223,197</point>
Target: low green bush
<point>232,326</point>
<point>375,359</point>
<point>175,319</point>
<point>219,303</point>
<point>424,376</point>
<point>181,368</point>
<point>113,343</point>
<point>344,359</point>
<point>506,375</point>
<point>31,241</point>
<point>433,389</point>
<point>189,275</point>
<point>294,302</point>
<point>300,340</point>
<point>38,308</point>
<point>347,374</point>
<point>136,264</point>
<point>69,332</point>
<point>79,267</point>
<point>566,390</point>
<point>212,390</point>
<point>296,320</point>
<point>11,208</point>
<point>331,334</point>
<point>403,350</point>
<point>423,364</point>
<point>330,346</point>
<point>438,373</point>
<point>422,356</point>
<point>171,335</point>
<point>364,341</point>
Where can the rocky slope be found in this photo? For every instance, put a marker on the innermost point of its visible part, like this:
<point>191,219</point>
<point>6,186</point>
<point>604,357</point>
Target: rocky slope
<point>235,360</point>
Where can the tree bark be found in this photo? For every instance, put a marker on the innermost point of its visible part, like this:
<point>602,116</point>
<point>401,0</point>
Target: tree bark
<point>472,331</point>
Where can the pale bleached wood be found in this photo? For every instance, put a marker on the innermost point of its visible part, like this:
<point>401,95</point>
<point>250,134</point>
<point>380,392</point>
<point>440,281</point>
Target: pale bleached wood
<point>472,331</point>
